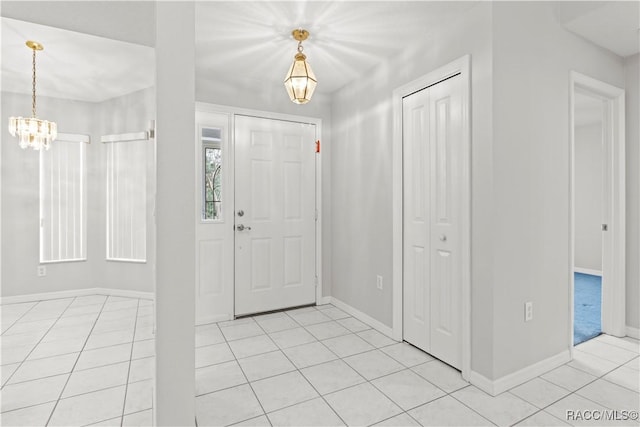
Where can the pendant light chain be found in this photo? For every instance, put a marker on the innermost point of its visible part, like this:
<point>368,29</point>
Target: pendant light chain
<point>33,96</point>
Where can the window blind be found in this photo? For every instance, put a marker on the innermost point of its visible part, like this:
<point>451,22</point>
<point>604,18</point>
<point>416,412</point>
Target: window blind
<point>126,199</point>
<point>63,225</point>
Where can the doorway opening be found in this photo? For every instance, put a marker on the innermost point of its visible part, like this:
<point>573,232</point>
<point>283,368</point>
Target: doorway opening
<point>589,213</point>
<point>597,270</point>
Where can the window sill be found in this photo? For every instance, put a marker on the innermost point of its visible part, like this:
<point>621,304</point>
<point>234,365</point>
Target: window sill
<point>130,261</point>
<point>63,261</point>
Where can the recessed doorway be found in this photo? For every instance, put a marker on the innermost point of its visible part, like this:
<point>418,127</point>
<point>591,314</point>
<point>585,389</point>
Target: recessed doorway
<point>589,214</point>
<point>597,270</point>
<point>257,214</point>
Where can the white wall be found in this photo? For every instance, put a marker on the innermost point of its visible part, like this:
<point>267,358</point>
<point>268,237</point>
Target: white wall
<point>125,114</point>
<point>21,201</point>
<point>532,59</point>
<point>361,238</point>
<point>520,176</point>
<point>20,194</point>
<point>632,86</point>
<point>174,403</point>
<point>588,196</point>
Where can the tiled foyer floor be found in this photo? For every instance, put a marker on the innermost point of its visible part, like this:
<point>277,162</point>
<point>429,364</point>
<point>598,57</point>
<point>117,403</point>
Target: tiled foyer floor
<point>77,361</point>
<point>89,360</point>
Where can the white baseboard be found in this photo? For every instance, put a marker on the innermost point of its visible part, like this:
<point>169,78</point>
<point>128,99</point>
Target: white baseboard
<point>213,319</point>
<point>588,271</point>
<point>507,382</point>
<point>633,332</point>
<point>17,299</point>
<point>76,293</point>
<point>375,324</point>
<point>324,300</point>
<point>126,293</point>
<point>482,382</point>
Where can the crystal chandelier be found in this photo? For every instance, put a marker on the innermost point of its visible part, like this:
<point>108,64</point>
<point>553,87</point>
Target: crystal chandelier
<point>33,132</point>
<point>300,81</point>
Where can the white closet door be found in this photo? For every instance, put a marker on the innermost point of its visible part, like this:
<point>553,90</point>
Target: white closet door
<point>416,230</point>
<point>274,214</point>
<point>432,135</point>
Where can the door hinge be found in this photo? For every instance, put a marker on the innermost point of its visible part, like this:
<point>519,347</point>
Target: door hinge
<point>316,215</point>
<point>315,281</point>
<point>605,227</point>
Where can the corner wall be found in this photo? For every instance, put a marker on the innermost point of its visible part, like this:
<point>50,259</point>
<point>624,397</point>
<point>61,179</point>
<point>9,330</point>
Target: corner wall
<point>21,195</point>
<point>532,60</point>
<point>21,201</point>
<point>125,114</point>
<point>362,120</point>
<point>520,66</point>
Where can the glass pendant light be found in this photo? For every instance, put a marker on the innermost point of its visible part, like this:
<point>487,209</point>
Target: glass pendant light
<point>33,132</point>
<point>300,80</point>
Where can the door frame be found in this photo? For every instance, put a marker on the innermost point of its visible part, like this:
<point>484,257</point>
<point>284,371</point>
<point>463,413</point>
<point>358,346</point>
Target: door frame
<point>461,66</point>
<point>235,111</point>
<point>613,242</point>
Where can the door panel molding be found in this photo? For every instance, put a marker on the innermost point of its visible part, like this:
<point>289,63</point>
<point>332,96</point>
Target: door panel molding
<point>462,67</point>
<point>264,262</point>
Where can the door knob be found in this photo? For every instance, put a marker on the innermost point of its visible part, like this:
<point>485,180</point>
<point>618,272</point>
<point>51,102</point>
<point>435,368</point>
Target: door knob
<point>443,238</point>
<point>241,227</point>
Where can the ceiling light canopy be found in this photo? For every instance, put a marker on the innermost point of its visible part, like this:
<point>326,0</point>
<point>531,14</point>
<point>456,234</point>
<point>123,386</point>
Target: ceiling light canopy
<point>300,80</point>
<point>33,132</point>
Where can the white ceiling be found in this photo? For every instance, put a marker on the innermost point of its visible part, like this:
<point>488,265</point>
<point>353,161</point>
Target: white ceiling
<point>251,41</point>
<point>98,49</point>
<point>129,21</point>
<point>613,25</point>
<point>73,65</point>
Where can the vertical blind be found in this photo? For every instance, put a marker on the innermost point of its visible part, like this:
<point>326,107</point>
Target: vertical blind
<point>126,200</point>
<point>63,228</point>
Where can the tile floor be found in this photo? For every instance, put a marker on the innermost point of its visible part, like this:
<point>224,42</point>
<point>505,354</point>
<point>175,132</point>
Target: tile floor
<point>77,361</point>
<point>89,361</point>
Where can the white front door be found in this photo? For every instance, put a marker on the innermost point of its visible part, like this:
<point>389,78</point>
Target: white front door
<point>274,214</point>
<point>432,138</point>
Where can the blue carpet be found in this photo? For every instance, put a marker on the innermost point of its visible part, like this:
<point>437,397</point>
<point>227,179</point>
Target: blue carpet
<point>587,304</point>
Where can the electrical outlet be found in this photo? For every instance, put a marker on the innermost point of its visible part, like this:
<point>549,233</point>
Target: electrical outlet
<point>528,311</point>
<point>42,270</point>
<point>379,282</point>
